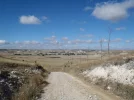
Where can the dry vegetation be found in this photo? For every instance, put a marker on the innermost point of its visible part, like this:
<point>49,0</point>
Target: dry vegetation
<point>74,65</point>
<point>21,81</point>
<point>124,91</point>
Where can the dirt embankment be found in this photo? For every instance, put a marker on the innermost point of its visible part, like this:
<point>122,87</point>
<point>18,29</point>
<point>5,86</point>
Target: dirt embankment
<point>116,77</point>
<point>21,82</point>
<point>117,68</point>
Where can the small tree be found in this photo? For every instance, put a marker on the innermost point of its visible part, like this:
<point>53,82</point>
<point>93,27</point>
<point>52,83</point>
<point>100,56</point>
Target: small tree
<point>109,38</point>
<point>101,43</point>
<point>87,54</point>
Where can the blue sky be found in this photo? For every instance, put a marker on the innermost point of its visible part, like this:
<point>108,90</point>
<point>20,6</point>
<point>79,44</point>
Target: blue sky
<point>53,24</point>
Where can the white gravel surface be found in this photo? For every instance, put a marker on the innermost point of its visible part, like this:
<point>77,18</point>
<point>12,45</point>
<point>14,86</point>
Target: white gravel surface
<point>65,87</point>
<point>121,73</point>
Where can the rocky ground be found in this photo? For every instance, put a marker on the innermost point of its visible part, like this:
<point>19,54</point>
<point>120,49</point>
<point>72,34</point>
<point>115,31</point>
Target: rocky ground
<point>117,77</point>
<point>15,79</point>
<point>66,87</point>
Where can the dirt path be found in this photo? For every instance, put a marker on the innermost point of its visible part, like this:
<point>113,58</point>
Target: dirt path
<point>66,87</point>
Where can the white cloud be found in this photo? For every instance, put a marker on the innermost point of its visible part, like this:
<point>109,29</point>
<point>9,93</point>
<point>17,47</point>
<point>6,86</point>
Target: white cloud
<point>53,37</point>
<point>31,42</point>
<point>87,8</point>
<point>102,40</point>
<point>81,22</point>
<point>89,41</point>
<point>52,40</point>
<point>82,29</point>
<point>128,41</point>
<point>120,28</point>
<point>29,20</point>
<point>105,40</point>
<point>65,39</point>
<point>46,19</point>
<point>113,11</point>
<point>116,40</point>
<point>2,41</point>
<point>87,35</point>
<point>16,42</point>
<point>27,42</point>
<point>78,41</point>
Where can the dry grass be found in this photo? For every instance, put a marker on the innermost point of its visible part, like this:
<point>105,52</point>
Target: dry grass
<point>124,91</point>
<point>70,64</point>
<point>59,62</point>
<point>32,89</point>
<point>27,85</point>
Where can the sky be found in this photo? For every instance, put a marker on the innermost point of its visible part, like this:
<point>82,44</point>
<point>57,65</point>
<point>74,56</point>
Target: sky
<point>66,24</point>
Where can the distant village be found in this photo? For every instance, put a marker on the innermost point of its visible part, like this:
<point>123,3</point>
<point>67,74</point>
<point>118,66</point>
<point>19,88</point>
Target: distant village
<point>26,52</point>
<point>47,52</point>
<point>50,52</point>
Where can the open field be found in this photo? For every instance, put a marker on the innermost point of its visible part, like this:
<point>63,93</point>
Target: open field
<point>60,62</point>
<point>73,64</point>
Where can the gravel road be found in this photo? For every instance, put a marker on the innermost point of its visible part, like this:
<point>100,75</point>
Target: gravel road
<point>66,87</point>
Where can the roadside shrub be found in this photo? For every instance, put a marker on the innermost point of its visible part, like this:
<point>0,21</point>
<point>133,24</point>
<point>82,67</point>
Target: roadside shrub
<point>21,82</point>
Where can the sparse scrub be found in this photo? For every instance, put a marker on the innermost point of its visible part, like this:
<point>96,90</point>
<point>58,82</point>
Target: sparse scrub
<point>118,78</point>
<point>124,91</point>
<point>32,89</point>
<point>21,82</point>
